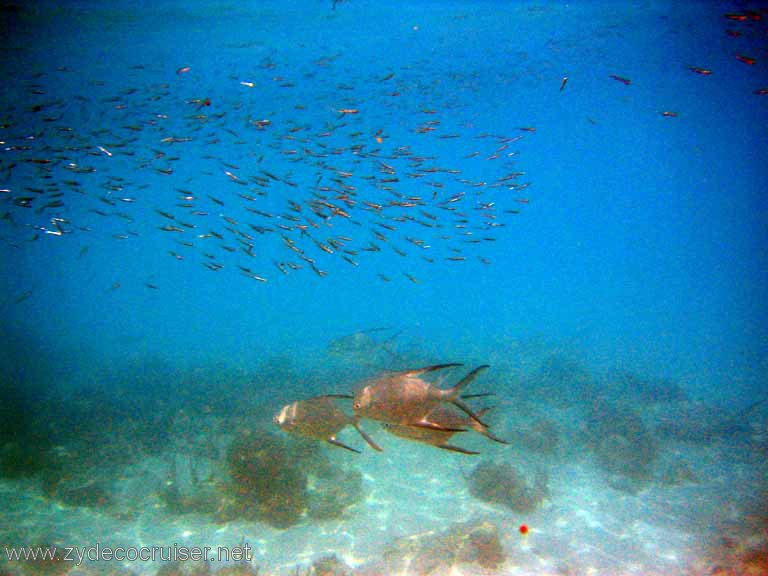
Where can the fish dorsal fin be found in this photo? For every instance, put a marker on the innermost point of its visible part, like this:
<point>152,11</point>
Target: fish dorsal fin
<point>344,396</point>
<point>426,369</point>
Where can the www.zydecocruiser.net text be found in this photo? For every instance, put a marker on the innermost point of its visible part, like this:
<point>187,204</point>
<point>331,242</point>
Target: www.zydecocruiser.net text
<point>99,553</point>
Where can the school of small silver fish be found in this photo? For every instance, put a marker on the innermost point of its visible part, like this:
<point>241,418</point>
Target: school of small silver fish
<point>406,405</point>
<point>314,182</point>
<point>272,171</point>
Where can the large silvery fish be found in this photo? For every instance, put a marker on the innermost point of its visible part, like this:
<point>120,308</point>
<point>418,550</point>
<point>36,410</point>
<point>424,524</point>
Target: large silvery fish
<point>320,418</point>
<point>364,348</point>
<point>447,418</point>
<point>404,398</point>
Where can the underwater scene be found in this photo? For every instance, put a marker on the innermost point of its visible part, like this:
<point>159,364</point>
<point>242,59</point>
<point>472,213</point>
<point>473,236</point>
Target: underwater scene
<point>379,288</point>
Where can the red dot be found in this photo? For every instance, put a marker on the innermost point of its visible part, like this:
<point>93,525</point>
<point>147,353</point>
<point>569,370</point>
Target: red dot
<point>523,529</point>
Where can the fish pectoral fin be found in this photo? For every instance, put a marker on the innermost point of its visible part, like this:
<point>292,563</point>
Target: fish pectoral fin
<point>437,427</point>
<point>367,438</point>
<point>457,449</point>
<point>342,445</point>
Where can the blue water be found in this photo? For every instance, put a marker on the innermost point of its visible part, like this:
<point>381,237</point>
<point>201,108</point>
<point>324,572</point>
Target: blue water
<point>640,245</point>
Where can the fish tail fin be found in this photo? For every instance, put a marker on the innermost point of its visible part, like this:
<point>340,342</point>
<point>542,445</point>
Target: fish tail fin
<point>453,392</point>
<point>468,411</point>
<point>477,427</point>
<point>493,437</point>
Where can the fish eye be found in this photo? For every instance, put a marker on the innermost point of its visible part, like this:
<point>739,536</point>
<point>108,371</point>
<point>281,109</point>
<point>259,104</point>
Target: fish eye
<point>356,405</point>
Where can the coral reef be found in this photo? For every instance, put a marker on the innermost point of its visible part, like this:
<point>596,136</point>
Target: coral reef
<point>562,379</point>
<point>191,494</point>
<point>620,454</point>
<point>647,391</point>
<point>185,568</point>
<point>542,437</point>
<point>239,569</point>
<point>740,550</point>
<point>277,480</point>
<point>22,457</point>
<point>203,568</point>
<point>24,443</point>
<point>332,495</point>
<point>430,553</point>
<point>502,484</point>
<point>74,480</point>
<point>329,566</point>
<point>622,444</point>
<point>700,423</point>
<point>267,484</point>
<point>677,473</point>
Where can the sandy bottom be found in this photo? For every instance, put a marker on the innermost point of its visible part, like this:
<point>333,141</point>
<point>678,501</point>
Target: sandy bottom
<point>583,526</point>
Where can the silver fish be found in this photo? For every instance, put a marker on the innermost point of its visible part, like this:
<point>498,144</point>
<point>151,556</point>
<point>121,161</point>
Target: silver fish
<point>320,418</point>
<point>404,398</point>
